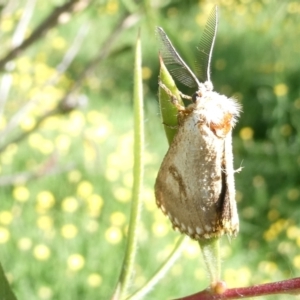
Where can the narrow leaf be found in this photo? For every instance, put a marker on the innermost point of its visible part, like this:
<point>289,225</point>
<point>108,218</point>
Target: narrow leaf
<point>167,109</point>
<point>5,291</point>
<point>131,248</point>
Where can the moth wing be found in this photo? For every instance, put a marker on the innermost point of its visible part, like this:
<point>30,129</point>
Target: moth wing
<point>230,220</point>
<point>189,186</point>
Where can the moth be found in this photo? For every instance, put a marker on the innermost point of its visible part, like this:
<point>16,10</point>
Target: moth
<point>195,184</point>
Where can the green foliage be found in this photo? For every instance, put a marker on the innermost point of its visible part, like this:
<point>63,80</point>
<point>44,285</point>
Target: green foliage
<point>66,187</point>
<point>5,291</point>
<point>167,109</point>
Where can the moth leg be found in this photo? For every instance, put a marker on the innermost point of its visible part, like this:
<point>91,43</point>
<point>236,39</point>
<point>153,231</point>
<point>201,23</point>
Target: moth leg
<point>234,171</point>
<point>239,169</point>
<point>173,98</point>
<point>169,126</point>
<point>185,96</point>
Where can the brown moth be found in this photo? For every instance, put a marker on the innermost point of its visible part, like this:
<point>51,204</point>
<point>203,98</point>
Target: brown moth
<point>195,183</point>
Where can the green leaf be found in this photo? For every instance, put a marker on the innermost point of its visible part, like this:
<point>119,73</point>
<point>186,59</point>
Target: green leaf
<point>5,291</point>
<point>167,109</point>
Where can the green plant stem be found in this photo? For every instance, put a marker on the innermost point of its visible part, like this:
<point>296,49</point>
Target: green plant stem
<point>211,254</point>
<point>137,175</point>
<point>160,273</point>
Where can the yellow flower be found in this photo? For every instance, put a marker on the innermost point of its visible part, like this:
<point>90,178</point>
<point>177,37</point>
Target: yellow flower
<point>191,250</point>
<point>6,24</point>
<point>280,89</point>
<point>160,229</point>
<point>24,243</point>
<point>296,261</point>
<point>46,147</point>
<point>3,122</point>
<point>74,176</point>
<point>84,189</point>
<point>92,226</point>
<point>246,133</point>
<point>45,222</point>
<point>5,217</point>
<point>75,124</point>
<point>41,252</point>
<point>69,231</point>
<point>45,293</point>
<point>4,235</point>
<point>94,280</point>
<point>122,194</point>
<point>117,218</point>
<point>146,73</point>
<point>95,203</point>
<point>24,64</point>
<point>59,43</point>
<point>21,193</point>
<point>113,235</point>
<point>35,140</point>
<point>27,123</point>
<point>112,7</point>
<point>63,143</point>
<point>45,200</point>
<point>76,262</point>
<point>70,204</point>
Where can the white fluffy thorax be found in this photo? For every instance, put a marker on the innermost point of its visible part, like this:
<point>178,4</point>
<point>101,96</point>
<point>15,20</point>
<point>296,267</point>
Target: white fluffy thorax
<point>211,107</point>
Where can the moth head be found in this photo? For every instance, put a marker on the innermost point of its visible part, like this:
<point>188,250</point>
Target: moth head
<point>208,85</point>
<point>203,89</point>
<point>219,112</point>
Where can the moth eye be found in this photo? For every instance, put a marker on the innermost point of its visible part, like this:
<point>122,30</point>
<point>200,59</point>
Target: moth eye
<point>194,97</point>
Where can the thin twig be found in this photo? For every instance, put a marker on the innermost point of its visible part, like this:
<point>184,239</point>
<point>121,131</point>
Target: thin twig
<point>47,169</point>
<point>19,34</point>
<point>41,29</point>
<point>125,22</point>
<point>17,39</point>
<point>60,69</point>
<point>161,272</point>
<point>23,135</point>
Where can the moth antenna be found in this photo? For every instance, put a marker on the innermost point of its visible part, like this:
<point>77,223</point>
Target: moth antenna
<point>176,66</point>
<point>206,46</point>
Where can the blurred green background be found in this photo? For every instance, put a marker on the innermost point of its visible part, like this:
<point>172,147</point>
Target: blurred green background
<point>67,132</point>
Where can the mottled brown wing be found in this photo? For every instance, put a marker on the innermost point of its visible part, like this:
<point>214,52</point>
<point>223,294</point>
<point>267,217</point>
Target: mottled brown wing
<point>230,220</point>
<point>191,186</point>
